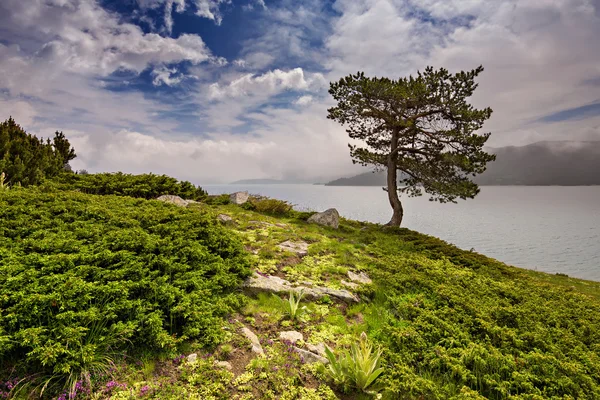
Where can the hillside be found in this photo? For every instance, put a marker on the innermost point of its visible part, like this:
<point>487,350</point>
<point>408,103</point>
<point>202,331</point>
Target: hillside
<point>543,163</point>
<point>151,293</point>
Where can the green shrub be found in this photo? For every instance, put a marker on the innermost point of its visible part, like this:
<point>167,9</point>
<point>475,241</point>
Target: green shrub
<point>292,306</point>
<point>217,200</point>
<point>358,368</point>
<point>145,186</point>
<point>83,278</point>
<point>268,206</point>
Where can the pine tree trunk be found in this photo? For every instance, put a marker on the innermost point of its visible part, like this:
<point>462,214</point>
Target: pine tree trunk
<point>392,185</point>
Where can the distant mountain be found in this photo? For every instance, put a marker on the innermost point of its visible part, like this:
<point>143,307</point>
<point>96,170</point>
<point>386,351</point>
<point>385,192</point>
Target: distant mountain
<point>365,179</point>
<point>258,182</point>
<point>545,163</point>
<point>563,163</point>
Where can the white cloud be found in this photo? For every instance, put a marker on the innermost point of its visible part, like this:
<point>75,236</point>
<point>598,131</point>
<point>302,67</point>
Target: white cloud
<point>269,83</point>
<point>210,9</point>
<point>166,76</point>
<point>304,100</point>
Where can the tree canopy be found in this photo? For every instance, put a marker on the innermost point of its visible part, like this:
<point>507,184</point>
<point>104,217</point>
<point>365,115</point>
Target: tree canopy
<point>27,160</point>
<point>422,126</point>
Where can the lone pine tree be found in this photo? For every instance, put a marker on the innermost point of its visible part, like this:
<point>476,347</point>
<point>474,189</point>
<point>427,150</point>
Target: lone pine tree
<point>422,126</point>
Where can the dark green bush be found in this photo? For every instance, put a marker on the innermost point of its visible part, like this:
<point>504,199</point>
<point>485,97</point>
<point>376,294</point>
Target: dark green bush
<point>145,186</point>
<point>82,277</point>
<point>268,206</point>
<point>217,200</point>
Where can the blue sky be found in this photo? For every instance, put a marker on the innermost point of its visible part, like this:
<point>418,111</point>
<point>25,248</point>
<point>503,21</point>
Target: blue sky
<point>218,90</point>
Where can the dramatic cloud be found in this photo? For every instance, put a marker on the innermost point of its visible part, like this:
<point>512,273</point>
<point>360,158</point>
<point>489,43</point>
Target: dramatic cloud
<point>240,89</point>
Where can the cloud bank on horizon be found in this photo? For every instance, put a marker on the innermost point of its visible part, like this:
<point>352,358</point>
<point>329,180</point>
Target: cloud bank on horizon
<point>219,90</point>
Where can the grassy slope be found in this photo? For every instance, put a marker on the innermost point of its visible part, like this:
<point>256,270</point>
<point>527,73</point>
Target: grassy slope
<point>453,324</point>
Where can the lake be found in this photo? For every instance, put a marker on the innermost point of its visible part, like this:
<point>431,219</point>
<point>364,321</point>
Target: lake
<point>545,228</point>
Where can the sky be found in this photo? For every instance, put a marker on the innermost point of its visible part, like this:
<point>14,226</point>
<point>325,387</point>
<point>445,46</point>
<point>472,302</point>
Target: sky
<point>218,90</point>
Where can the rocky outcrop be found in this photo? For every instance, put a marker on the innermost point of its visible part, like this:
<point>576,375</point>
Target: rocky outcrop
<point>309,357</point>
<point>273,284</point>
<point>169,198</point>
<point>329,218</point>
<point>224,218</point>
<point>291,336</point>
<point>318,349</point>
<point>300,247</point>
<point>360,277</point>
<point>251,336</point>
<point>238,197</point>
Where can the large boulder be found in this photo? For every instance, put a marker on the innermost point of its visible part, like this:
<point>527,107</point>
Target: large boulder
<point>169,198</point>
<point>238,197</point>
<point>329,218</point>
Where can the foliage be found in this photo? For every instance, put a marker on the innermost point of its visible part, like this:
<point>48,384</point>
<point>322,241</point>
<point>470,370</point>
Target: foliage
<point>292,305</point>
<point>358,368</point>
<point>83,278</point>
<point>422,126</point>
<point>221,199</point>
<point>268,206</point>
<point>3,184</point>
<point>28,160</point>
<point>146,186</point>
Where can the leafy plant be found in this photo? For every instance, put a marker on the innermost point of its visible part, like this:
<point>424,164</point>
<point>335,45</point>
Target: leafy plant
<point>358,368</point>
<point>292,305</point>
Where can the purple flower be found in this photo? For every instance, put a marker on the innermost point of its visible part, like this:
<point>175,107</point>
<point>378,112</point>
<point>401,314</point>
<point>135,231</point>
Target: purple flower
<point>62,397</point>
<point>144,390</point>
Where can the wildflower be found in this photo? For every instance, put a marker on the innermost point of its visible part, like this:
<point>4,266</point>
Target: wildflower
<point>144,390</point>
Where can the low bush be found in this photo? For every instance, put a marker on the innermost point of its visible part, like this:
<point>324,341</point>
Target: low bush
<point>145,186</point>
<point>217,200</point>
<point>268,206</point>
<point>83,278</point>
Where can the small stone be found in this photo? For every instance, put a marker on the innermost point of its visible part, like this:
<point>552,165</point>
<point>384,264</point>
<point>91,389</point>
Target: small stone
<point>361,277</point>
<point>316,348</point>
<point>224,364</point>
<point>238,197</point>
<point>224,218</point>
<point>291,336</point>
<point>329,218</point>
<point>256,347</point>
<point>300,247</point>
<point>169,198</point>
<point>280,225</point>
<point>192,358</point>
<point>310,357</point>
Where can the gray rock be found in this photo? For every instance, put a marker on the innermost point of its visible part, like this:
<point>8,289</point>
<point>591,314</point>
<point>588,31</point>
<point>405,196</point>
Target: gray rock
<point>316,348</point>
<point>273,284</point>
<point>169,198</point>
<point>224,218</point>
<point>309,357</point>
<point>192,358</point>
<point>361,277</point>
<point>223,364</point>
<point>329,217</point>
<point>350,285</point>
<point>300,247</point>
<point>238,197</point>
<point>256,347</point>
<point>291,336</point>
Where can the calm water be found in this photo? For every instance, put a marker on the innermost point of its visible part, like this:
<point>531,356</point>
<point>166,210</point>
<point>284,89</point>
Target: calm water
<point>551,229</point>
